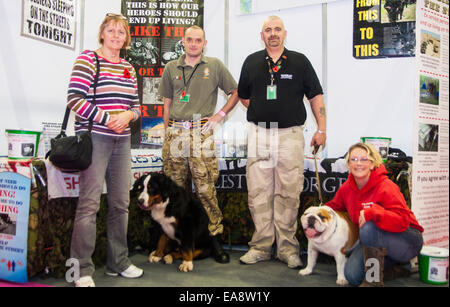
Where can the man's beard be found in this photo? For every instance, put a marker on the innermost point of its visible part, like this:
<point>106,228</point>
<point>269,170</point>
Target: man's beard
<point>274,41</point>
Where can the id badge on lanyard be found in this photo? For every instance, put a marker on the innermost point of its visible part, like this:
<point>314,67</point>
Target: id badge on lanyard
<point>272,88</point>
<point>185,97</point>
<point>271,92</point>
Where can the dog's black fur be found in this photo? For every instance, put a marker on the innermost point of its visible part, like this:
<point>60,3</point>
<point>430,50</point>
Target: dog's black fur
<point>182,218</point>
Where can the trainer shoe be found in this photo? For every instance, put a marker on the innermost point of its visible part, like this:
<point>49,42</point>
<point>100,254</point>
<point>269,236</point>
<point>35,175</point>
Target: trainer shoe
<point>132,272</point>
<point>85,281</point>
<point>293,261</point>
<point>253,256</point>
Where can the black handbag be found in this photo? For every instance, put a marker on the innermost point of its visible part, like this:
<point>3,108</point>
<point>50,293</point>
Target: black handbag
<point>73,153</point>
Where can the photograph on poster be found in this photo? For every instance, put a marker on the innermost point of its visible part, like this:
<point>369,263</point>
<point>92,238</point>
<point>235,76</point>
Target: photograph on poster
<point>429,90</point>
<point>399,39</point>
<point>152,131</point>
<point>428,137</point>
<point>398,11</point>
<point>143,51</point>
<point>8,223</point>
<point>172,49</point>
<point>245,7</point>
<point>430,44</point>
<point>150,89</point>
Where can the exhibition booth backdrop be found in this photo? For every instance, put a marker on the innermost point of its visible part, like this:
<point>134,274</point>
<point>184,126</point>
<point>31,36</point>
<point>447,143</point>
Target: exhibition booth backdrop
<point>51,221</point>
<point>389,96</point>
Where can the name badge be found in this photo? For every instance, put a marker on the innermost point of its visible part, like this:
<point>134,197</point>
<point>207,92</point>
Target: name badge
<point>185,98</point>
<point>271,92</point>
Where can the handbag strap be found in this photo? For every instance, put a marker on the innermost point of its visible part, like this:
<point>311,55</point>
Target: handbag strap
<point>66,115</point>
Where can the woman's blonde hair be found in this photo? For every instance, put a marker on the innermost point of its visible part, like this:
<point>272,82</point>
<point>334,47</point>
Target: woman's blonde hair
<point>115,18</point>
<point>372,153</point>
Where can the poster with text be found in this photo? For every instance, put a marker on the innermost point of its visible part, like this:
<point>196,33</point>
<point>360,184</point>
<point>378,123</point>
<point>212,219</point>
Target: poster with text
<point>15,182</point>
<point>430,181</point>
<point>157,28</point>
<point>384,28</point>
<point>50,21</point>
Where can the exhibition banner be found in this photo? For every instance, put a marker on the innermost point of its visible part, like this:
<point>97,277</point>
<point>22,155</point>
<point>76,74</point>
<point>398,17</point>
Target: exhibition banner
<point>384,28</point>
<point>15,182</point>
<point>232,175</point>
<point>430,181</point>
<point>144,162</point>
<point>157,28</point>
<point>332,174</point>
<point>51,21</point>
<point>62,184</point>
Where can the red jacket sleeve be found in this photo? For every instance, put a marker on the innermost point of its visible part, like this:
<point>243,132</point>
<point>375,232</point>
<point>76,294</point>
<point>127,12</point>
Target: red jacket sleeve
<point>390,212</point>
<point>337,203</point>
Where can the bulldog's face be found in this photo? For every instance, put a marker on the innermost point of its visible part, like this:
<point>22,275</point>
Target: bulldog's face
<point>316,221</point>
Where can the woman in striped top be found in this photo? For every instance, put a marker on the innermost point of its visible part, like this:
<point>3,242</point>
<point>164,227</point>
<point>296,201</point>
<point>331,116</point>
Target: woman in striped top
<point>116,105</point>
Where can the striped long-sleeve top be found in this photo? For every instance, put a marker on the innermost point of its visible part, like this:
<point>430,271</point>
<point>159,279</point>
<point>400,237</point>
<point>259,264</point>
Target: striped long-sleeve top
<point>116,92</point>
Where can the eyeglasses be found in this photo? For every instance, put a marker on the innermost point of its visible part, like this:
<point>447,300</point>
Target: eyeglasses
<point>116,15</point>
<point>362,160</point>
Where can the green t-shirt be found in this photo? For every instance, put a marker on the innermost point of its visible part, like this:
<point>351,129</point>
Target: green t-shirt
<point>199,83</point>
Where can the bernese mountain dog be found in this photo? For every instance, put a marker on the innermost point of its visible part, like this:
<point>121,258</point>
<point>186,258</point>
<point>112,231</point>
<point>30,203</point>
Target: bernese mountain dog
<point>182,217</point>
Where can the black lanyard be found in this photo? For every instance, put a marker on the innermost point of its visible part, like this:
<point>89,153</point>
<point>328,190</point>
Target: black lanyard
<point>186,85</point>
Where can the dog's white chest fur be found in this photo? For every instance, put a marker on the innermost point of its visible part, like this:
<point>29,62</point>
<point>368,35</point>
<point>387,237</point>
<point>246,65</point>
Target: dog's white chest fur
<point>167,223</point>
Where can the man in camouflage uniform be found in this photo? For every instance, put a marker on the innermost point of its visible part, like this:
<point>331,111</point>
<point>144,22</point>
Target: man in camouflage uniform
<point>189,88</point>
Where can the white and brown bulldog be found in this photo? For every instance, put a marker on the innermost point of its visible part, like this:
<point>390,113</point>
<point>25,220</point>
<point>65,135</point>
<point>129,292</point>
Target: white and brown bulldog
<point>329,232</point>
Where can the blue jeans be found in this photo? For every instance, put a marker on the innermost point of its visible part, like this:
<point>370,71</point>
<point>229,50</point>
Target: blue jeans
<point>401,248</point>
<point>111,162</point>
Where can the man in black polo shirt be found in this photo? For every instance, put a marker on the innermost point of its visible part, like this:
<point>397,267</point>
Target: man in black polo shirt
<point>272,85</point>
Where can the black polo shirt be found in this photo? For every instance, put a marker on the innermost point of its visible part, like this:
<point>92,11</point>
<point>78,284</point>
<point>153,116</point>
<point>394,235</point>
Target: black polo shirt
<point>295,79</point>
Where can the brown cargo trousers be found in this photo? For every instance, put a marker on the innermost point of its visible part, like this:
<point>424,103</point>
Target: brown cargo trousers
<point>275,177</point>
<point>188,150</point>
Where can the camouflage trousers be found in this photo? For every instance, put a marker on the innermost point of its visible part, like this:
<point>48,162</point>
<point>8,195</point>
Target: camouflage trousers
<point>275,177</point>
<point>189,153</point>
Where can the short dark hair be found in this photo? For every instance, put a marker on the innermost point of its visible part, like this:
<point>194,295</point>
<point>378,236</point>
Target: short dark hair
<point>195,28</point>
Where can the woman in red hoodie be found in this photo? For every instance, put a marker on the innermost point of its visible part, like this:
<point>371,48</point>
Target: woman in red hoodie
<point>388,230</point>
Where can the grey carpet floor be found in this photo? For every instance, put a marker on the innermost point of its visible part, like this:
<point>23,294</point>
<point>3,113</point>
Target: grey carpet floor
<point>208,273</point>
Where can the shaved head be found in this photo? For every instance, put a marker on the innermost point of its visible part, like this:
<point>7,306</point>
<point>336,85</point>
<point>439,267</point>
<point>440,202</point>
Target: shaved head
<point>272,18</point>
<point>197,28</point>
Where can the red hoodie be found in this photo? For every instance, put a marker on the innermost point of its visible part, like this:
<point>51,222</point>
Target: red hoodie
<point>381,200</point>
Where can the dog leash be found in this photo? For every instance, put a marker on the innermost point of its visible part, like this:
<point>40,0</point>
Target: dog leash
<point>319,186</point>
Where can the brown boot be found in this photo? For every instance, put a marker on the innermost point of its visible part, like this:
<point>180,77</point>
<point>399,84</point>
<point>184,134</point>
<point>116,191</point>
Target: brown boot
<point>373,266</point>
